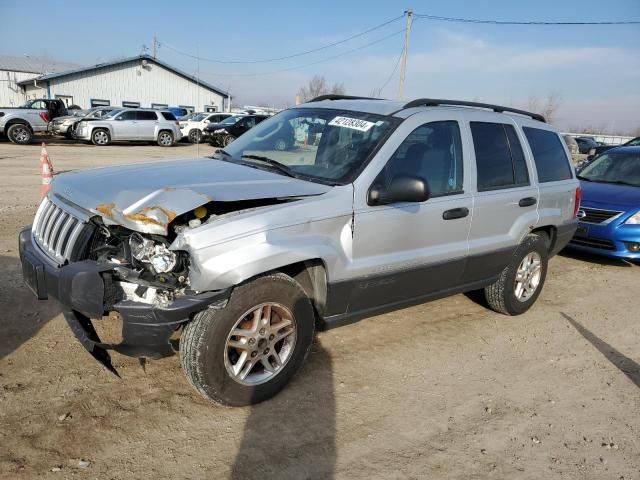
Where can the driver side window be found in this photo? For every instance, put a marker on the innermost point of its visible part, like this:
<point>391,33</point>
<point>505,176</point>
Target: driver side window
<point>432,152</point>
<point>129,115</point>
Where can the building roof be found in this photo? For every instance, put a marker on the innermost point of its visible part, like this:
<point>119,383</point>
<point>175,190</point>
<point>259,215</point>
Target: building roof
<point>120,61</point>
<point>32,64</point>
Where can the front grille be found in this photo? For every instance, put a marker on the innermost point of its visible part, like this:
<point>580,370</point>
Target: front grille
<point>593,243</point>
<point>596,215</point>
<point>56,231</point>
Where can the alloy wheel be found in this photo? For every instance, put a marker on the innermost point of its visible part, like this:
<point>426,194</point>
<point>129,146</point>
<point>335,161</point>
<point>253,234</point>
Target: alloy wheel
<point>260,344</point>
<point>528,276</point>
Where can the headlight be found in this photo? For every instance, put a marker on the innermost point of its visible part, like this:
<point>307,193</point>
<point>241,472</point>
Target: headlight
<point>633,219</point>
<point>82,124</point>
<point>220,130</point>
<point>157,255</point>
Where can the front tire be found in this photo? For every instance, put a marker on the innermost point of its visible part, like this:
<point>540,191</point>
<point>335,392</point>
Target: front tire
<point>521,282</point>
<point>227,139</point>
<point>20,134</point>
<point>100,137</point>
<point>248,351</point>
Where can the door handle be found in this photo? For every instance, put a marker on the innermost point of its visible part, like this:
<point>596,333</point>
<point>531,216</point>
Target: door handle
<point>527,201</point>
<point>455,213</point>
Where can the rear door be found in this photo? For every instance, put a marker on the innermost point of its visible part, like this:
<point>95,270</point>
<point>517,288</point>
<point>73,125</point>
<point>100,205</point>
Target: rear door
<point>147,124</point>
<point>556,181</point>
<point>125,126</point>
<point>506,196</point>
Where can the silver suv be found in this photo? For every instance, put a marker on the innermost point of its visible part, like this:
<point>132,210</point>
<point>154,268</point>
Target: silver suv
<point>377,206</point>
<point>131,125</point>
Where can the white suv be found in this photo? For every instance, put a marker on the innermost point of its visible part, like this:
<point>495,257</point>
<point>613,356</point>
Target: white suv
<point>193,128</point>
<point>131,125</point>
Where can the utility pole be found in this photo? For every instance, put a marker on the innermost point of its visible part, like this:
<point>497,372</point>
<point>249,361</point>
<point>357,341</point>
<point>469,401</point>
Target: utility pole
<point>405,52</point>
<point>155,47</point>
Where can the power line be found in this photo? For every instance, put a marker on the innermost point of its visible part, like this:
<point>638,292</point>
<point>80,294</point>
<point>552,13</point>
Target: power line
<point>511,22</point>
<point>286,57</point>
<point>367,45</point>
<point>393,72</point>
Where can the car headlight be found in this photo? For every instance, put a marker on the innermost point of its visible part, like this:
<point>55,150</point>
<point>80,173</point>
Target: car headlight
<point>633,219</point>
<point>161,259</point>
<point>220,130</point>
<point>82,125</point>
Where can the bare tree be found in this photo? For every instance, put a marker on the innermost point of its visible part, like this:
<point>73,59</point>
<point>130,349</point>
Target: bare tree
<point>318,86</point>
<point>547,107</point>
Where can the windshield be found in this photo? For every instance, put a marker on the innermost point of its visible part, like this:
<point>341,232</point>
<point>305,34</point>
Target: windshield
<point>229,120</point>
<point>623,168</point>
<point>315,144</point>
<point>198,117</point>
<point>112,113</point>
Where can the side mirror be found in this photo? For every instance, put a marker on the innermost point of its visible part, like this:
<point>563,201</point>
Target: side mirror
<point>206,120</point>
<point>403,189</point>
<point>119,118</point>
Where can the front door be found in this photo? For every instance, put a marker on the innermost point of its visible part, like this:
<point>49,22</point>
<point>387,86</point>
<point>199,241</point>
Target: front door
<point>409,251</point>
<point>125,126</point>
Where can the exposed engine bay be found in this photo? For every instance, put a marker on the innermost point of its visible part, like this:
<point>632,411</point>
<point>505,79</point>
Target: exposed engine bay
<point>145,268</point>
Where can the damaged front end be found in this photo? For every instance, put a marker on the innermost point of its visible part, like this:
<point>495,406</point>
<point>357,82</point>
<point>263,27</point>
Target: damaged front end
<point>92,270</point>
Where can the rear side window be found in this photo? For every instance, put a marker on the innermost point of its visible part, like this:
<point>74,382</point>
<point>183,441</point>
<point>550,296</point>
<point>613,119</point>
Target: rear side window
<point>168,115</point>
<point>147,115</point>
<point>551,160</point>
<point>499,156</point>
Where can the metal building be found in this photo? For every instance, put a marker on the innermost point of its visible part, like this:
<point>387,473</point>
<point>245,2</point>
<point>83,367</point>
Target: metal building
<point>14,70</point>
<point>141,81</point>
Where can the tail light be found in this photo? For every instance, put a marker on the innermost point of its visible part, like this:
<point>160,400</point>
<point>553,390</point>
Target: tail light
<point>578,200</point>
<point>45,116</point>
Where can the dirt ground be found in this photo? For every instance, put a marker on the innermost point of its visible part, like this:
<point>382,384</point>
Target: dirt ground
<point>447,389</point>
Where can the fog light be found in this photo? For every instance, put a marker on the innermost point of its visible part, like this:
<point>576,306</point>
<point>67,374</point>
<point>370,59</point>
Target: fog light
<point>633,246</point>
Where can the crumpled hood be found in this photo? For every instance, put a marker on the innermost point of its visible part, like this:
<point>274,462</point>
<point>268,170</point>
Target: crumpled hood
<point>147,196</point>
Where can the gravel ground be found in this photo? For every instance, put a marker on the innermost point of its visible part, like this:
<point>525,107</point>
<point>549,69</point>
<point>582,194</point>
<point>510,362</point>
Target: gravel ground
<point>447,389</point>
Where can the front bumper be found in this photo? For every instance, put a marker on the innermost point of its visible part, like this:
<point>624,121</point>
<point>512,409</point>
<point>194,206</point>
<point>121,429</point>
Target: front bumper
<point>608,239</point>
<point>85,290</point>
<point>60,129</point>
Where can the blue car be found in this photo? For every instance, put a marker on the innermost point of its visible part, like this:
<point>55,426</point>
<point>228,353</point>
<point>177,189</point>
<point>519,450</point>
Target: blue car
<point>609,214</point>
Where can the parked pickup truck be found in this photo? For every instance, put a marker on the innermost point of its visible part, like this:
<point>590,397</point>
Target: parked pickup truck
<point>20,123</point>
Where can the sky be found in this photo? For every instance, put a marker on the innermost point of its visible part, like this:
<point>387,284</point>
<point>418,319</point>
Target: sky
<point>593,71</point>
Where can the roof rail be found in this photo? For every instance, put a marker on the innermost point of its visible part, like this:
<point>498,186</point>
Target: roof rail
<point>332,96</point>
<point>433,102</point>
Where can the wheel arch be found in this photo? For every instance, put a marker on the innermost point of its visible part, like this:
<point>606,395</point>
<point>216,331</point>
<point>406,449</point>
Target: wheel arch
<point>552,235</point>
<point>17,121</point>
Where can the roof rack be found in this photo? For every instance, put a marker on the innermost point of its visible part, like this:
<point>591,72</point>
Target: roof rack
<point>340,97</point>
<point>433,102</point>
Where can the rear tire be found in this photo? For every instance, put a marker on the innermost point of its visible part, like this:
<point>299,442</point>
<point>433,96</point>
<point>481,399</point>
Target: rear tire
<point>100,137</point>
<point>210,354</point>
<point>20,134</point>
<point>165,138</point>
<point>521,282</point>
<point>195,136</point>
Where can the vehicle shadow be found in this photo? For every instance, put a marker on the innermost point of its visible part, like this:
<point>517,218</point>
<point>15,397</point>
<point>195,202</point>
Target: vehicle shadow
<point>623,363</point>
<point>590,257</point>
<point>21,315</point>
<point>293,434</point>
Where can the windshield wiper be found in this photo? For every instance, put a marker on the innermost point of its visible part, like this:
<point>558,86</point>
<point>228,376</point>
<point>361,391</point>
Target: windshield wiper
<point>272,163</point>
<point>579,177</point>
